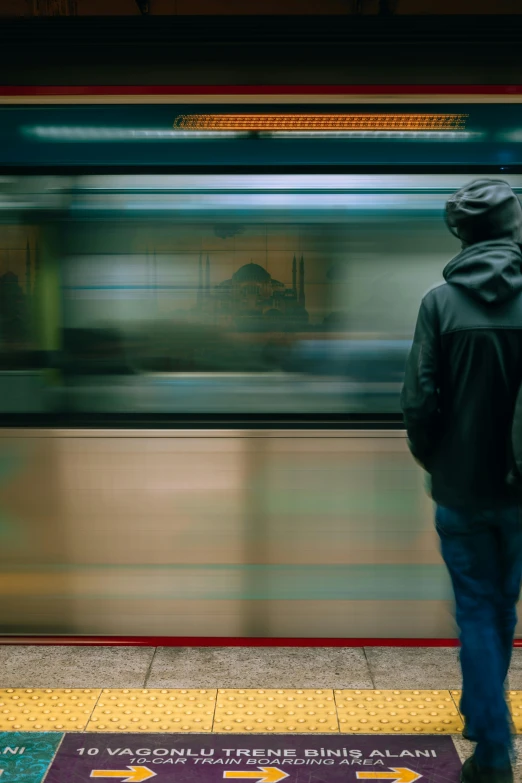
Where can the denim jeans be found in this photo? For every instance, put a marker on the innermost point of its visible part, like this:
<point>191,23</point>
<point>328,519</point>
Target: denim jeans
<point>483,553</point>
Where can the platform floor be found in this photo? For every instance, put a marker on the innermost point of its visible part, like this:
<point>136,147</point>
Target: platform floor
<point>238,690</point>
<point>370,668</point>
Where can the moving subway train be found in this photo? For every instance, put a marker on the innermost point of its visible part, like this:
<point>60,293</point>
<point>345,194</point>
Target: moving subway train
<point>205,312</point>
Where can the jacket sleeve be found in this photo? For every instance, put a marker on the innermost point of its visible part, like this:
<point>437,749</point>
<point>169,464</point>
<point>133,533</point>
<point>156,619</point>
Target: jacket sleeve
<point>420,393</point>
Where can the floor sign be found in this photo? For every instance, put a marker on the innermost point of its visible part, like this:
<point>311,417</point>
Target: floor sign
<point>261,758</point>
<point>25,756</point>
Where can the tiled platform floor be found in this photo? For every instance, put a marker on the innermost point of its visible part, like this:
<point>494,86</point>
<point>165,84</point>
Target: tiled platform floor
<point>237,710</point>
<point>238,690</point>
<point>236,667</point>
<point>231,710</point>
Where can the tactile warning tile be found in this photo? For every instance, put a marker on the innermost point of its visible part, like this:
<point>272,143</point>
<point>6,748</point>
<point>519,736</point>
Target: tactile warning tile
<point>49,709</point>
<point>456,696</point>
<point>515,704</point>
<point>514,700</point>
<point>397,712</point>
<point>154,709</point>
<point>275,710</point>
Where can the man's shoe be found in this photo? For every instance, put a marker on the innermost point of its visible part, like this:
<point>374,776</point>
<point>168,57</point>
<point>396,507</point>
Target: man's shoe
<point>472,773</point>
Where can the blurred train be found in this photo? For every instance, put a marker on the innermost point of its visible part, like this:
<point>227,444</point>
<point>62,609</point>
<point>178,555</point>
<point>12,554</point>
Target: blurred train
<point>206,303</point>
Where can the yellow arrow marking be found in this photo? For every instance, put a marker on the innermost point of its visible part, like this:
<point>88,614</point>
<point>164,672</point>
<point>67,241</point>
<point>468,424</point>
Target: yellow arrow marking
<point>130,775</point>
<point>398,774</point>
<point>265,774</point>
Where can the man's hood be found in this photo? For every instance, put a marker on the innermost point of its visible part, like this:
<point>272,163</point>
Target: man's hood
<point>489,271</point>
<point>485,209</point>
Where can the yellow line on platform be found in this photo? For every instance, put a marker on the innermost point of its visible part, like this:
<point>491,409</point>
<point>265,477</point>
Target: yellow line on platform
<point>46,709</point>
<point>237,711</point>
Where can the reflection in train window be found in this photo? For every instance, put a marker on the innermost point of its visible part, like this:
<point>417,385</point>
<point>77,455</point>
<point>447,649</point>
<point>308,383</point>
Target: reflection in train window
<point>165,295</point>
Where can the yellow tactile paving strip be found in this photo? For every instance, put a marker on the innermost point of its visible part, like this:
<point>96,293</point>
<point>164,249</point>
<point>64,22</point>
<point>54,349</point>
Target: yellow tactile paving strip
<point>279,711</point>
<point>154,710</point>
<point>50,709</point>
<point>234,711</point>
<point>396,712</point>
<point>514,700</point>
<point>515,703</point>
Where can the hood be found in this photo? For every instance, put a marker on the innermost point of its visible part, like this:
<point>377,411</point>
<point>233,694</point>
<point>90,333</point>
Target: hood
<point>489,271</point>
<point>484,209</point>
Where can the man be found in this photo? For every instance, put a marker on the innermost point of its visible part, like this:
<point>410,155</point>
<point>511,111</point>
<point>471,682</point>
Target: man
<point>461,384</point>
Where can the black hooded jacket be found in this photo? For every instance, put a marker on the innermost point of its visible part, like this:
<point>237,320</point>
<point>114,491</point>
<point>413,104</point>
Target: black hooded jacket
<point>465,367</point>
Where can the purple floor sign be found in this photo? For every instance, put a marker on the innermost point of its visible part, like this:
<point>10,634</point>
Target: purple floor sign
<point>212,758</point>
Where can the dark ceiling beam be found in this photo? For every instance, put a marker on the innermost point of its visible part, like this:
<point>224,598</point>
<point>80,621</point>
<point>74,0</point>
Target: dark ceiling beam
<point>262,50</point>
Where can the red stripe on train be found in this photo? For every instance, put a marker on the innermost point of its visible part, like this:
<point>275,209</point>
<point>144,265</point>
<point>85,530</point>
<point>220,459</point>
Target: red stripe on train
<point>226,641</point>
<point>270,89</point>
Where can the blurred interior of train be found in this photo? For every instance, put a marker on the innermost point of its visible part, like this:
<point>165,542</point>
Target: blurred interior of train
<point>207,294</point>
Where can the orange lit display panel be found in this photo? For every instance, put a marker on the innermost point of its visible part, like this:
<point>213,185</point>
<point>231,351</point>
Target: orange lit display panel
<point>321,122</point>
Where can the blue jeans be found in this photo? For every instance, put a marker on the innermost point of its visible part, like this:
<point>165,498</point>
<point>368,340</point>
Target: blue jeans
<point>483,553</point>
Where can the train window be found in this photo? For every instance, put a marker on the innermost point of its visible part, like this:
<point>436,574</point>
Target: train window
<point>28,297</point>
<point>214,295</point>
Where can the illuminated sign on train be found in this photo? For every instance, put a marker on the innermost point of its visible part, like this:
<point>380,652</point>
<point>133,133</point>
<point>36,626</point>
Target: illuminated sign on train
<point>322,122</point>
